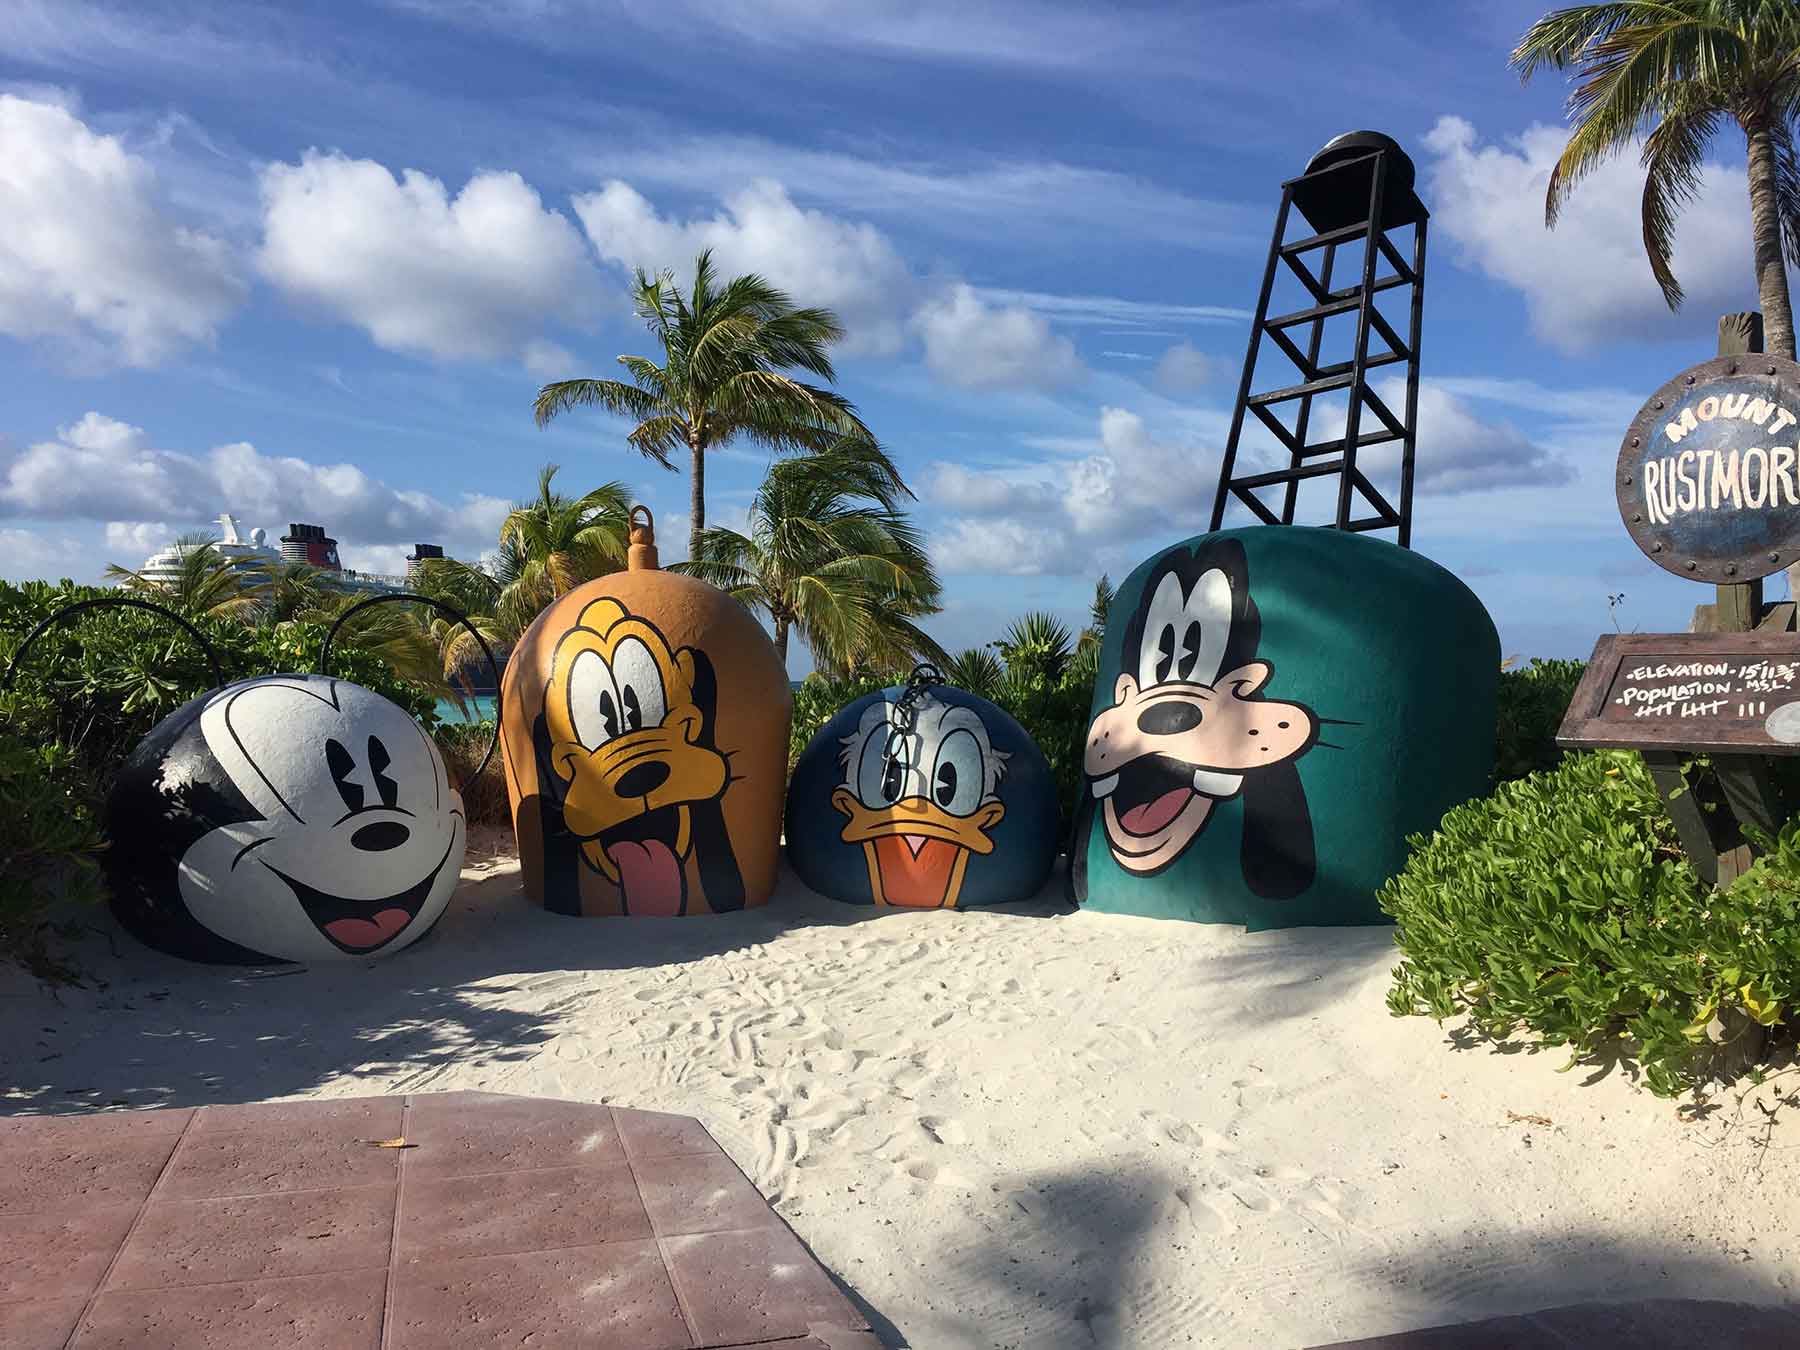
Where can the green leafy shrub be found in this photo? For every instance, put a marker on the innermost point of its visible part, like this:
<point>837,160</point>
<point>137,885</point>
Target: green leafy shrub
<point>1562,905</point>
<point>48,839</point>
<point>1532,702</point>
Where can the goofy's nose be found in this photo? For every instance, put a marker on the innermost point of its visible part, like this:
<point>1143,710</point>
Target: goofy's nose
<point>641,779</point>
<point>1169,719</point>
<point>380,837</point>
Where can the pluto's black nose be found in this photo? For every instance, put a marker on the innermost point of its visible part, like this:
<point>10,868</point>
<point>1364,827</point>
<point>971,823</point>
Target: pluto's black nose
<point>380,837</point>
<point>640,780</point>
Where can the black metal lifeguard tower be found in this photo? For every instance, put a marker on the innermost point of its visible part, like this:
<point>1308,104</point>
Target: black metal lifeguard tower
<point>1358,188</point>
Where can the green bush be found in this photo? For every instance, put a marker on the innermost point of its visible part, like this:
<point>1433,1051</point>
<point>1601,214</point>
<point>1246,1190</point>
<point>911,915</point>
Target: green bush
<point>48,838</point>
<point>462,744</point>
<point>1532,702</point>
<point>1562,904</point>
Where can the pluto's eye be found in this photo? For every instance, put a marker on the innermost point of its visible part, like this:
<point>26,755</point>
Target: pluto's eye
<point>378,766</point>
<point>593,700</point>
<point>641,699</point>
<point>338,760</point>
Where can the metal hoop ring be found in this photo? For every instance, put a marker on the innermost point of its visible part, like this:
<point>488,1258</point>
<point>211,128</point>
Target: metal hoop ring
<point>463,619</point>
<point>112,602</point>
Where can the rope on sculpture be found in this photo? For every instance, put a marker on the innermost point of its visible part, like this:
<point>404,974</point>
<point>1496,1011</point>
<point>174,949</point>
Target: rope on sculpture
<point>905,714</point>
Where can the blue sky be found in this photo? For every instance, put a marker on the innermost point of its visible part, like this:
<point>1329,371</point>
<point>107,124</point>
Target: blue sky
<point>313,262</point>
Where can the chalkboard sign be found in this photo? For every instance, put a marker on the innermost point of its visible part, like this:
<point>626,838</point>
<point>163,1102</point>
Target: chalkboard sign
<point>1729,692</point>
<point>1709,472</point>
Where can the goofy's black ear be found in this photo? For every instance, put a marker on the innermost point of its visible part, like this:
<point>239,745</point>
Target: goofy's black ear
<point>720,880</point>
<point>706,692</point>
<point>1278,856</point>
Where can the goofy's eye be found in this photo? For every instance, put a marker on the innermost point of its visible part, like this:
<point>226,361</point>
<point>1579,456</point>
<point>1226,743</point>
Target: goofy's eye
<point>1165,653</point>
<point>1189,652</point>
<point>378,766</point>
<point>642,702</point>
<point>956,782</point>
<point>881,770</point>
<point>338,760</point>
<point>593,700</point>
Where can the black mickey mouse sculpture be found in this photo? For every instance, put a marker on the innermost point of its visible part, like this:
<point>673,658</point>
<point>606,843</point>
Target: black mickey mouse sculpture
<point>281,818</point>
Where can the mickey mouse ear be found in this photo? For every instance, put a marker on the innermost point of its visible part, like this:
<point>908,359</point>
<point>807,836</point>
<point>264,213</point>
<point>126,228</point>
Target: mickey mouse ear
<point>68,612</point>
<point>408,597</point>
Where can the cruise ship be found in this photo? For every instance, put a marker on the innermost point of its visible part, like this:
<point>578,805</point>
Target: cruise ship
<point>302,543</point>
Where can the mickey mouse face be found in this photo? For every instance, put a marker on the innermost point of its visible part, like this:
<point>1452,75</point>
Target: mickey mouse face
<point>360,840</point>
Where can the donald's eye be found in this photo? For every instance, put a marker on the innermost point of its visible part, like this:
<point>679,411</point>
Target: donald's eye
<point>956,782</point>
<point>881,770</point>
<point>339,761</point>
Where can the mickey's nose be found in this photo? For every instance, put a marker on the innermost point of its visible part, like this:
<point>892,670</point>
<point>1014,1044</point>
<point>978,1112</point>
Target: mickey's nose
<point>380,837</point>
<point>640,780</point>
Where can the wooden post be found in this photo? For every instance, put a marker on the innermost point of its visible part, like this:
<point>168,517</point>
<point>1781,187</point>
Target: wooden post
<point>1738,608</point>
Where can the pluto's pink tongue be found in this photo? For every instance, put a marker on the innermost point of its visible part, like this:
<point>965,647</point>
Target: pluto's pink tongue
<point>366,933</point>
<point>650,876</point>
<point>1152,816</point>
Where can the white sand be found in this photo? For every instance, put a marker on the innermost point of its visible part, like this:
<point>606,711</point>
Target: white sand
<point>1012,1127</point>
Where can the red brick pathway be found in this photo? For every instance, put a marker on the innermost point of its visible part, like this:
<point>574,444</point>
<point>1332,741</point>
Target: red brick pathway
<point>508,1221</point>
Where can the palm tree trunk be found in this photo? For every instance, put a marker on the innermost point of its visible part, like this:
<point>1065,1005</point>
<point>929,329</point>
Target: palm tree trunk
<point>1765,229</point>
<point>781,634</point>
<point>696,498</point>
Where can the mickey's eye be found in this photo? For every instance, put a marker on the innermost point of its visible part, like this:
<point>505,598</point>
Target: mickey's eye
<point>593,700</point>
<point>339,761</point>
<point>956,781</point>
<point>379,760</point>
<point>642,702</point>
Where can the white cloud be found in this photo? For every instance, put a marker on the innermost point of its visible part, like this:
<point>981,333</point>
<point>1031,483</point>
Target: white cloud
<point>1185,368</point>
<point>130,539</point>
<point>976,346</point>
<point>971,492</point>
<point>470,277</point>
<point>88,258</point>
<point>26,555</point>
<point>101,469</point>
<point>1104,309</point>
<point>548,361</point>
<point>1586,281</point>
<point>849,267</point>
<point>1000,548</point>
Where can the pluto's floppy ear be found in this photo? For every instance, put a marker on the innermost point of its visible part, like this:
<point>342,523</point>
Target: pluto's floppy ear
<point>706,690</point>
<point>1278,855</point>
<point>720,880</point>
<point>561,850</point>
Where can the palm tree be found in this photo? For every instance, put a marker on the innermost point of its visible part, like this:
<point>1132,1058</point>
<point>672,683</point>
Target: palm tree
<point>205,583</point>
<point>1037,644</point>
<point>977,670</point>
<point>830,555</point>
<point>548,546</point>
<point>725,348</point>
<point>1678,69</point>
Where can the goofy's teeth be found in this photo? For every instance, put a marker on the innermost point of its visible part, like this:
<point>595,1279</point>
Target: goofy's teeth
<point>1103,787</point>
<point>1217,784</point>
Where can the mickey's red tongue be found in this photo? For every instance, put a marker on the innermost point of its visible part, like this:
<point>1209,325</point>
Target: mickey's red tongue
<point>1149,817</point>
<point>649,874</point>
<point>371,932</point>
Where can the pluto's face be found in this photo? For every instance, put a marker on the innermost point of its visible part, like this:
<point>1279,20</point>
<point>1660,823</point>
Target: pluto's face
<point>920,802</point>
<point>360,840</point>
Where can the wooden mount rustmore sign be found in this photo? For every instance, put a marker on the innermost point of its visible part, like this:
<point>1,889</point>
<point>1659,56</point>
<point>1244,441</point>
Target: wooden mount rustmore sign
<point>1709,472</point>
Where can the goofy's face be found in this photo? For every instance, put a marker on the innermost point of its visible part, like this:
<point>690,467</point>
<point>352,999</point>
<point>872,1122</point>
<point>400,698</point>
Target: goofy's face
<point>920,803</point>
<point>628,719</point>
<point>1188,726</point>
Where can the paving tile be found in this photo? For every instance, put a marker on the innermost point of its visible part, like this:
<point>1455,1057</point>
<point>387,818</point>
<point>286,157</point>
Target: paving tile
<point>185,1242</point>
<point>464,1133</point>
<point>42,1324</point>
<point>657,1134</point>
<point>261,1160</point>
<point>59,1255</point>
<point>615,1295</point>
<point>323,1312</point>
<point>55,1177</point>
<point>822,1338</point>
<point>90,1127</point>
<point>699,1194</point>
<point>355,1117</point>
<point>519,1212</point>
<point>755,1284</point>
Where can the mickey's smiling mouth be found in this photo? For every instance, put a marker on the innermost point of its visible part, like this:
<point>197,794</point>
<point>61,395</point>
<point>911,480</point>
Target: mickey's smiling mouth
<point>360,927</point>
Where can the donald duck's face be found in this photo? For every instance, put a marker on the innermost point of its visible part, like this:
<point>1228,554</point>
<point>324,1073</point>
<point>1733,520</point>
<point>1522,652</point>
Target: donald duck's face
<point>920,803</point>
